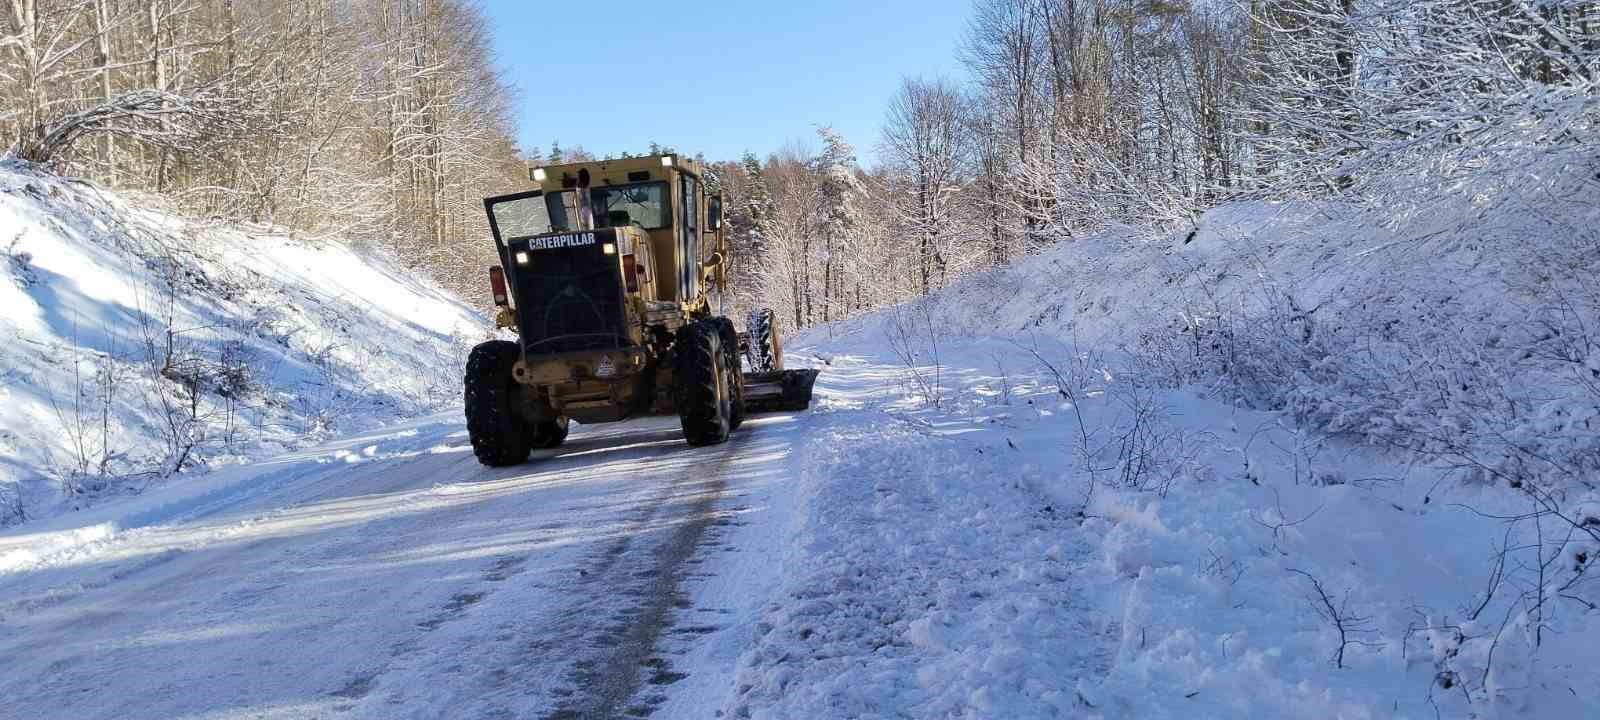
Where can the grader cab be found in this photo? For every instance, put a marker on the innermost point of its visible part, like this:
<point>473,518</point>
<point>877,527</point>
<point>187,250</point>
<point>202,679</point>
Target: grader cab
<point>610,276</point>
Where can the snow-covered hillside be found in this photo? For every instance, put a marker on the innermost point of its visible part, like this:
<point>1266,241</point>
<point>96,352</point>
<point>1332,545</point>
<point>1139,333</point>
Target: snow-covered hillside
<point>1218,475</point>
<point>139,348</point>
<point>1466,333</point>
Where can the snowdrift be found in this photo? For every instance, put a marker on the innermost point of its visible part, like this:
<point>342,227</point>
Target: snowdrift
<point>139,347</point>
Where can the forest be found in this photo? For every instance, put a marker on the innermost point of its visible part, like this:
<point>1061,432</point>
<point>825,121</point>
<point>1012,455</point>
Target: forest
<point>1076,115</point>
<point>384,122</point>
<point>381,123</point>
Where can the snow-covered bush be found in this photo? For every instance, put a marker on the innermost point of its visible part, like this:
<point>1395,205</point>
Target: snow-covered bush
<point>1407,103</point>
<point>1471,351</point>
<point>1487,363</point>
<point>914,340</point>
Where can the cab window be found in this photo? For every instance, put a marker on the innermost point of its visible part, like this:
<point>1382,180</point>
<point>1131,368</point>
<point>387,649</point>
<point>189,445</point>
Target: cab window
<point>521,217</point>
<point>641,204</point>
<point>689,238</point>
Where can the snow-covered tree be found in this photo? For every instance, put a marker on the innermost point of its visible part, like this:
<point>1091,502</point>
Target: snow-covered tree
<point>1414,100</point>
<point>838,193</point>
<point>757,205</point>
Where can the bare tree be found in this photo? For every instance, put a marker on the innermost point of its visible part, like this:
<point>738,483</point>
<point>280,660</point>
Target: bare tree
<point>1003,51</point>
<point>922,141</point>
<point>381,122</point>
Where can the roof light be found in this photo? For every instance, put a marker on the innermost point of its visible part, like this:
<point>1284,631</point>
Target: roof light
<point>538,175</point>
<point>666,161</point>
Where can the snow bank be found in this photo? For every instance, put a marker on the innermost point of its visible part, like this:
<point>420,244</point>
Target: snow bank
<point>967,561</point>
<point>1171,479</point>
<point>922,579</point>
<point>138,344</point>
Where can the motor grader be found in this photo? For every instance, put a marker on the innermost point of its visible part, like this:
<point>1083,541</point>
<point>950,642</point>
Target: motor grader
<point>610,275</point>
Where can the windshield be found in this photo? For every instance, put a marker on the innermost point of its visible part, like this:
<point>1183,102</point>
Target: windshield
<point>643,204</point>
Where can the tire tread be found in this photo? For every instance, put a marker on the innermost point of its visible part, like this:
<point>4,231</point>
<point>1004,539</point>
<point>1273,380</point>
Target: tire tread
<point>499,438</point>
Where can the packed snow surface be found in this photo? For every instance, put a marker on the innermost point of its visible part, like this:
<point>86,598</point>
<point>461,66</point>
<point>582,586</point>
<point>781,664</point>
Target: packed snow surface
<point>951,562</point>
<point>1237,472</point>
<point>389,575</point>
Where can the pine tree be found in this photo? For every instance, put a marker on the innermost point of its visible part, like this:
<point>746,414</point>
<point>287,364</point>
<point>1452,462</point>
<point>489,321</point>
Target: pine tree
<point>757,208</point>
<point>836,207</point>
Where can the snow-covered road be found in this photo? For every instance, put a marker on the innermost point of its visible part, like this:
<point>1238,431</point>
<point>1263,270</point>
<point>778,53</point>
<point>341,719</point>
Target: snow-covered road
<point>392,576</point>
<point>880,555</point>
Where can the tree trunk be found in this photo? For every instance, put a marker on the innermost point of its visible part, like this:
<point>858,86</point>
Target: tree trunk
<point>158,79</point>
<point>25,17</point>
<point>102,31</point>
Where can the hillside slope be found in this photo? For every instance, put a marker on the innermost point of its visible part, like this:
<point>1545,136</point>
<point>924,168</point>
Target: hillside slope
<point>140,346</point>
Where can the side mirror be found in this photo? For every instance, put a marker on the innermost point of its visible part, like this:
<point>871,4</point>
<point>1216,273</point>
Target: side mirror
<point>714,213</point>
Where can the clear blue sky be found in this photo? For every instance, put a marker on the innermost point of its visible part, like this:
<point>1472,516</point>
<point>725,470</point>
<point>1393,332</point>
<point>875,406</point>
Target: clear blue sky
<point>716,76</point>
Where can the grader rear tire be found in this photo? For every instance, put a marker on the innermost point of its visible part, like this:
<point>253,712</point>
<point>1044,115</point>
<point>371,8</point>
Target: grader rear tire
<point>499,436</point>
<point>704,397</point>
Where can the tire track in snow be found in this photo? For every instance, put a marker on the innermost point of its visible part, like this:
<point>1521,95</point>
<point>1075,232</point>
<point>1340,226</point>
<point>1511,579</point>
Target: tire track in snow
<point>500,649</point>
<point>424,646</point>
<point>611,672</point>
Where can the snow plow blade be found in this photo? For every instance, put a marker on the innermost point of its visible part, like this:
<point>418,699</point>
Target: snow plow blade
<point>778,390</point>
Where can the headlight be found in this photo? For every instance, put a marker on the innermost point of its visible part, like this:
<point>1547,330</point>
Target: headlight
<point>609,248</point>
<point>522,258</point>
<point>666,161</point>
<point>538,175</point>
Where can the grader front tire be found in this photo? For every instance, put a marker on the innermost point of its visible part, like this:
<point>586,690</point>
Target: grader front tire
<point>730,354</point>
<point>704,402</point>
